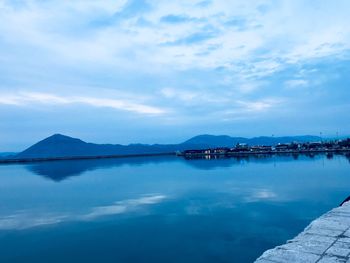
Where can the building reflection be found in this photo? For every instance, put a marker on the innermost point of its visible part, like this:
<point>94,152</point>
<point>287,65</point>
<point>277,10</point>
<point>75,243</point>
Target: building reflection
<point>61,170</point>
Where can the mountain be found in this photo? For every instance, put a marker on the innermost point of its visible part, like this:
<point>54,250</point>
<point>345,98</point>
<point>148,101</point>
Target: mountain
<point>59,145</point>
<point>63,146</point>
<point>264,140</point>
<point>227,141</point>
<point>207,140</point>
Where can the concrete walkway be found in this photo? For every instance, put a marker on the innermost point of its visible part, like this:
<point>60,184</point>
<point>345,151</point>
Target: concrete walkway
<point>325,240</point>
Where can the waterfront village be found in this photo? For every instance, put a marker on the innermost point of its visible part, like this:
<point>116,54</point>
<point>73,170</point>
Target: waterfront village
<point>294,147</point>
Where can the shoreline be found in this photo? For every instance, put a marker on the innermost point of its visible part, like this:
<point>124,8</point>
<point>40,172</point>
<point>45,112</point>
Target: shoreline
<point>48,159</point>
<point>186,156</point>
<point>245,153</point>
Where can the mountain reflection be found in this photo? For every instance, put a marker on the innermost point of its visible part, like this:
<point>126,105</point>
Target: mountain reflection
<point>60,170</point>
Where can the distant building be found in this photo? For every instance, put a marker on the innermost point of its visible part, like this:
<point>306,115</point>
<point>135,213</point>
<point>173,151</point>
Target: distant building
<point>294,147</point>
<point>261,148</point>
<point>240,147</point>
<point>344,143</point>
<point>282,147</point>
<point>220,150</point>
<point>315,145</point>
<point>202,151</point>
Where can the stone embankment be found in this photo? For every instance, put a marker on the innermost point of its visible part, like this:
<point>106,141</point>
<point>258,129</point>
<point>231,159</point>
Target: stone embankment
<point>325,240</point>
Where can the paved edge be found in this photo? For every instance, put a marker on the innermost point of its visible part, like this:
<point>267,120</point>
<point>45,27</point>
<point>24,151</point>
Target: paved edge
<point>325,240</point>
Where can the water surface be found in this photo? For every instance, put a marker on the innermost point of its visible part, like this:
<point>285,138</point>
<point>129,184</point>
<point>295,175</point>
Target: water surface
<point>163,209</point>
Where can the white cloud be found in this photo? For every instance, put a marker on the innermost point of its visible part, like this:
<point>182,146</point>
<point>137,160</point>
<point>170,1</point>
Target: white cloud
<point>172,93</point>
<point>9,100</point>
<point>118,104</point>
<point>259,105</point>
<point>41,98</point>
<point>29,98</point>
<point>284,34</point>
<point>295,83</point>
<point>233,48</point>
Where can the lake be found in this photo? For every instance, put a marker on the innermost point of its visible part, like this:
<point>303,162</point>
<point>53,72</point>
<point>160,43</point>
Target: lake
<point>163,209</point>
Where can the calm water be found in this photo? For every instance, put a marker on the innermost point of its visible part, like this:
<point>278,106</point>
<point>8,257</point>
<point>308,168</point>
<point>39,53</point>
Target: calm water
<point>163,209</point>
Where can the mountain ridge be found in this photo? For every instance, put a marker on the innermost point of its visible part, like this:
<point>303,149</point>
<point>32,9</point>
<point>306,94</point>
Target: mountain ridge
<point>59,145</point>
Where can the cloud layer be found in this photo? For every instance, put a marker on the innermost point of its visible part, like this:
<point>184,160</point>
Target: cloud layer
<point>188,65</point>
<point>28,98</point>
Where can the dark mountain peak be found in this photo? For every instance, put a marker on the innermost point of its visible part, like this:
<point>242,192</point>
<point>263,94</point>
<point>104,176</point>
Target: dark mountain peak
<point>204,138</point>
<point>58,135</point>
<point>214,140</point>
<point>59,145</point>
<point>53,146</point>
<point>61,139</point>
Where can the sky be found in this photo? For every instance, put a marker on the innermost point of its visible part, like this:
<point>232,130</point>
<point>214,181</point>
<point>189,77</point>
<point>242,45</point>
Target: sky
<point>127,71</point>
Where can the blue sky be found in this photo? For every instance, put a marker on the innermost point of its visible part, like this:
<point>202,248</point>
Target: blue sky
<point>162,71</point>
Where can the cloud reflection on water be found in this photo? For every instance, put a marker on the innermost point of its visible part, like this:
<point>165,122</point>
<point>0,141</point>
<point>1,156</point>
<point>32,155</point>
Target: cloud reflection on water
<point>28,219</point>
<point>261,194</point>
<point>123,206</point>
<point>239,185</point>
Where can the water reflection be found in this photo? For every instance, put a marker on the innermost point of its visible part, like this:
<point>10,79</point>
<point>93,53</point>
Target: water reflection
<point>61,170</point>
<point>164,209</point>
<point>347,156</point>
<point>28,218</point>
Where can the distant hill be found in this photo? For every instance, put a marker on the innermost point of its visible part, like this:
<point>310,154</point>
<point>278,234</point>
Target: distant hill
<point>64,146</point>
<point>215,140</point>
<point>227,141</point>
